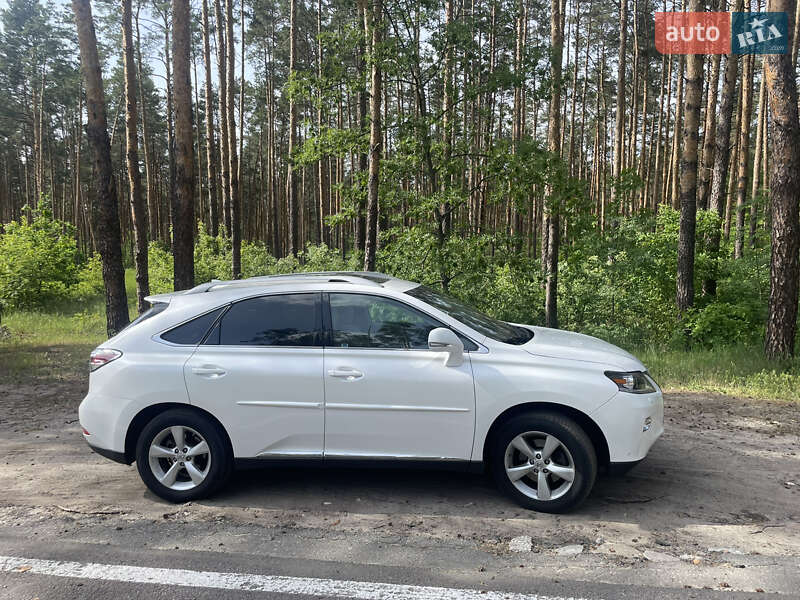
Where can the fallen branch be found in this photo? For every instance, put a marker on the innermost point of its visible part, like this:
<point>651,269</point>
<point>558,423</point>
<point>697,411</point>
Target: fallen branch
<point>628,500</point>
<point>89,512</point>
<point>763,527</point>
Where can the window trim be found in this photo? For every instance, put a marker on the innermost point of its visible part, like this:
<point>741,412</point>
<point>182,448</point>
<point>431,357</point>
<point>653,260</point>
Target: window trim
<point>319,332</point>
<point>327,324</point>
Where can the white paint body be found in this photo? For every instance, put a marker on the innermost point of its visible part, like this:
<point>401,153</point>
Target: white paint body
<point>283,402</point>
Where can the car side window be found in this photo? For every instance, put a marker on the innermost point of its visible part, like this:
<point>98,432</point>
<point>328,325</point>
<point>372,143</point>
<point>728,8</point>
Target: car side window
<point>365,321</point>
<point>279,320</point>
<point>192,332</point>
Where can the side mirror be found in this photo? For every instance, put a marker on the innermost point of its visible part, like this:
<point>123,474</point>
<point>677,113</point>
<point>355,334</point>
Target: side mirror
<point>444,340</point>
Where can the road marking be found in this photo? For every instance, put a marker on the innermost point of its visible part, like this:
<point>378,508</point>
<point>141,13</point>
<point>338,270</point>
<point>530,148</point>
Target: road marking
<point>276,584</point>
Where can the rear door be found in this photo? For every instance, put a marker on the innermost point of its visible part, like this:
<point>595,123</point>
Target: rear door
<point>386,394</point>
<point>259,371</point>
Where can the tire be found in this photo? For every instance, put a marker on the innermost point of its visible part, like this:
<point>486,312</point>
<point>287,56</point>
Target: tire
<point>574,452</point>
<point>156,456</point>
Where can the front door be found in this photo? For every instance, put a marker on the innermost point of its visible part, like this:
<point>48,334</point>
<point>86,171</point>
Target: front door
<point>386,394</point>
<point>260,372</point>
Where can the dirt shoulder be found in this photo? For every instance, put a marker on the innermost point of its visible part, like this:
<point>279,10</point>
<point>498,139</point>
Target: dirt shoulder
<point>716,502</point>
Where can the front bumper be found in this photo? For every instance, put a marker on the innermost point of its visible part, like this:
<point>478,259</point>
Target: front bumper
<point>631,424</point>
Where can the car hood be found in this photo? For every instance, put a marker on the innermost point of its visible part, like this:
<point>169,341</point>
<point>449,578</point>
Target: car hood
<point>555,343</point>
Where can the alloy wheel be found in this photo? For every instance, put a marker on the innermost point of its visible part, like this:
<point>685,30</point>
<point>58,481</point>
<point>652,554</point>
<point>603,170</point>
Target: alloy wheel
<point>539,465</point>
<point>179,457</point>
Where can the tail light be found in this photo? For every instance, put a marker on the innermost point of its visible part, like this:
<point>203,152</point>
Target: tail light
<point>102,356</point>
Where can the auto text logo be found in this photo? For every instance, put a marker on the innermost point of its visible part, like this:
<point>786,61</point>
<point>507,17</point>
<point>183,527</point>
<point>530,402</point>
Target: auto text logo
<point>722,32</point>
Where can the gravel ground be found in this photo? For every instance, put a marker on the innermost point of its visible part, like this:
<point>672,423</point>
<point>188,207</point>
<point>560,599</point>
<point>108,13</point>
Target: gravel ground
<point>716,504</point>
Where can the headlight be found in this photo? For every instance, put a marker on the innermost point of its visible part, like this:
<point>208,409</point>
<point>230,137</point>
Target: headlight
<point>634,382</point>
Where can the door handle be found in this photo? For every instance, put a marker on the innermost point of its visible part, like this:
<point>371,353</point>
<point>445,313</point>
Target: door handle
<point>346,373</point>
<point>209,371</point>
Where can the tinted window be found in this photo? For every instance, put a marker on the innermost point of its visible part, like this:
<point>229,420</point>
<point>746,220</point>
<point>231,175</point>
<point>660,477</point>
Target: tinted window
<point>282,320</point>
<point>488,326</point>
<point>150,312</point>
<point>361,321</point>
<point>192,332</point>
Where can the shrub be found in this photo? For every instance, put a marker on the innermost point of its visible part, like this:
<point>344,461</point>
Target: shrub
<point>89,283</point>
<point>212,257</point>
<point>160,269</point>
<point>38,261</point>
<point>722,324</point>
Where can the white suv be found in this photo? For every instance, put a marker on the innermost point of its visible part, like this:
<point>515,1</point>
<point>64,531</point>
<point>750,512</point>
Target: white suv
<point>362,367</point>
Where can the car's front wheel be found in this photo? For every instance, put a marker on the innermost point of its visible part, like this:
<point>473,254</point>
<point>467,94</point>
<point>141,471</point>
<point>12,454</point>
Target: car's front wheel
<point>182,456</point>
<point>544,461</point>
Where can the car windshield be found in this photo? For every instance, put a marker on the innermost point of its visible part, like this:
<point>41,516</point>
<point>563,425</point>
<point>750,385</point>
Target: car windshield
<point>488,326</point>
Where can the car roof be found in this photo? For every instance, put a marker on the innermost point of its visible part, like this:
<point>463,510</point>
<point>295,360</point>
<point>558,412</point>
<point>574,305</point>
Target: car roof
<point>289,282</point>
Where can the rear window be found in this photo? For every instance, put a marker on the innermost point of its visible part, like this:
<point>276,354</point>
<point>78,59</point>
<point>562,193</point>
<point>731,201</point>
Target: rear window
<point>150,312</point>
<point>192,332</point>
<point>279,320</point>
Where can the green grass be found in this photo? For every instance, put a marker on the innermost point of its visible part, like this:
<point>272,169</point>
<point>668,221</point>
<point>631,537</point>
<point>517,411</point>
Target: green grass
<point>735,371</point>
<point>55,344</point>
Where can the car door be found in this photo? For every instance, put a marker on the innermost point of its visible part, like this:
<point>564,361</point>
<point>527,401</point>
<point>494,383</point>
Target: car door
<point>259,371</point>
<point>386,394</point>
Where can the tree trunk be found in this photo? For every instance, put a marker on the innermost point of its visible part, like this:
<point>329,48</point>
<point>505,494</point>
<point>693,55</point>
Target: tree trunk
<point>233,167</point>
<point>224,131</point>
<point>374,22</point>
<point>183,210</point>
<point>688,177</point>
<point>784,192</point>
<point>172,197</point>
<point>553,204</point>
<point>757,154</point>
<point>360,221</point>
<point>291,175</point>
<point>211,146</point>
<point>709,133</point>
<point>619,130</point>
<point>744,154</point>
<point>722,142</point>
<point>138,208</point>
<point>152,209</point>
<point>105,213</point>
<point>322,172</point>
<point>674,186</point>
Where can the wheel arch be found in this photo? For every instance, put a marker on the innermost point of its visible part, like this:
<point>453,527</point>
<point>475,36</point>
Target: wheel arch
<point>591,428</point>
<point>147,414</point>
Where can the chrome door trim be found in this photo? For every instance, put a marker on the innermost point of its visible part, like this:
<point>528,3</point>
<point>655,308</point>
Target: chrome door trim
<point>280,403</point>
<point>393,407</point>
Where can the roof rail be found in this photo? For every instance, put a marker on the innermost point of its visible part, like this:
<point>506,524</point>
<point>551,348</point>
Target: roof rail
<point>371,279</point>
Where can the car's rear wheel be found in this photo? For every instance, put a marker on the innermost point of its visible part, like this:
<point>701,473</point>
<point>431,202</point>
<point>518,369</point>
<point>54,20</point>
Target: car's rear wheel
<point>182,456</point>
<point>543,461</point>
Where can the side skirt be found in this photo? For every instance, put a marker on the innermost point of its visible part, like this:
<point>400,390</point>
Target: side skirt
<point>360,463</point>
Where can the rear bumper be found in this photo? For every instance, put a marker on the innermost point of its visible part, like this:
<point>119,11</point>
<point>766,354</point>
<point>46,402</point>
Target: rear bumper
<point>111,455</point>
<point>631,424</point>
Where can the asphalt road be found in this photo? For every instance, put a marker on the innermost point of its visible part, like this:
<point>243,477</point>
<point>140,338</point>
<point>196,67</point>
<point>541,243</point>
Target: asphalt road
<point>75,570</point>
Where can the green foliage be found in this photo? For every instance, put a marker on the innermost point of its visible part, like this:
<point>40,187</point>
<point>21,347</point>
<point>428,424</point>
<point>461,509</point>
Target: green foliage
<point>722,324</point>
<point>160,268</point>
<point>89,284</point>
<point>38,261</point>
<point>212,260</point>
<point>619,286</point>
